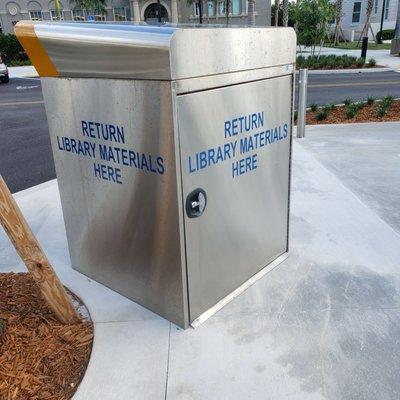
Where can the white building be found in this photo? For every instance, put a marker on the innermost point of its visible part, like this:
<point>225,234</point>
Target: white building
<point>353,19</point>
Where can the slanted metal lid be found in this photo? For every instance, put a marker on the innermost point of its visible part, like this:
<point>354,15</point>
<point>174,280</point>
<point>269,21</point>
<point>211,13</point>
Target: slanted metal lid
<point>137,51</point>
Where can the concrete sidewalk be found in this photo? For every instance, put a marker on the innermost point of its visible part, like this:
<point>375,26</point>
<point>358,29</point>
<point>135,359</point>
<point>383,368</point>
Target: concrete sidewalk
<point>366,158</point>
<point>27,71</point>
<point>325,324</point>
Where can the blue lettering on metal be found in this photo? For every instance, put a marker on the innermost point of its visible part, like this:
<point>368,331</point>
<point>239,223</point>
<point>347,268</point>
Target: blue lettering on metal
<point>111,152</point>
<point>244,134</point>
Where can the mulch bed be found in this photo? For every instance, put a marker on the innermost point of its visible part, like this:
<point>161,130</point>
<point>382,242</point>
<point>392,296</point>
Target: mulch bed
<point>367,114</point>
<point>40,358</point>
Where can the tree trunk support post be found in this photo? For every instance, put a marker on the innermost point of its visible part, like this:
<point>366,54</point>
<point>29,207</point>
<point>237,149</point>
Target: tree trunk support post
<point>34,258</point>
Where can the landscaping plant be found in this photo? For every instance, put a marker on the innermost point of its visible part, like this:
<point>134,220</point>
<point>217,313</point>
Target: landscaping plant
<point>360,62</point>
<point>313,19</point>
<point>322,114</point>
<point>347,102</point>
<point>371,62</point>
<point>370,100</point>
<point>352,110</point>
<point>314,107</point>
<point>382,109</point>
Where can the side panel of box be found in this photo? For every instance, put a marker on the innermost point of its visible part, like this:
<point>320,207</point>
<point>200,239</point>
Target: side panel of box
<point>113,147</point>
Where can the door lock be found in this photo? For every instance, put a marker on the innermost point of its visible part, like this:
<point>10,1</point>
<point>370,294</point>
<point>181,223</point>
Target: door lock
<point>196,202</point>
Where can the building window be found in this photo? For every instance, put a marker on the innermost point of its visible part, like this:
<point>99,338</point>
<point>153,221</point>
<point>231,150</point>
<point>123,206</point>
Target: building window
<point>387,9</point>
<point>356,11</point>
<point>78,15</point>
<point>35,15</point>
<point>55,16</point>
<point>95,16</point>
<point>221,7</point>
<point>376,3</point>
<point>196,8</point>
<point>119,14</point>
<point>236,7</point>
<point>211,8</point>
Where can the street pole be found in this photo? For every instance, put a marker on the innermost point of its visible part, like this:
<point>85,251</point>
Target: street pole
<point>159,10</point>
<point>200,11</point>
<point>302,104</point>
<point>379,40</point>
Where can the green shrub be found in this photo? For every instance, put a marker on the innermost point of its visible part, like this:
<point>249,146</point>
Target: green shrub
<point>360,62</point>
<point>11,49</point>
<point>352,111</point>
<point>321,115</point>
<point>370,100</point>
<point>327,108</point>
<point>301,61</point>
<point>360,105</point>
<point>388,101</point>
<point>371,62</point>
<point>346,61</point>
<point>347,102</point>
<point>332,106</point>
<point>314,107</point>
<point>382,109</point>
<point>331,63</point>
<point>387,34</point>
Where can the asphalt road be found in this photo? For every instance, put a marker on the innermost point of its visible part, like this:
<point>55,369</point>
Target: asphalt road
<point>329,88</point>
<point>25,152</point>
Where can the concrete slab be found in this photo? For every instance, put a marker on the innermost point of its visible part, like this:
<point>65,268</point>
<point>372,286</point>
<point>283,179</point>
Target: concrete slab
<point>323,325</point>
<point>26,71</point>
<point>366,157</point>
<point>129,361</point>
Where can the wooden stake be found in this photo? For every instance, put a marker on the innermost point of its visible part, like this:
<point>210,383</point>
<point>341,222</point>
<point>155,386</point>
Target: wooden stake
<point>34,258</point>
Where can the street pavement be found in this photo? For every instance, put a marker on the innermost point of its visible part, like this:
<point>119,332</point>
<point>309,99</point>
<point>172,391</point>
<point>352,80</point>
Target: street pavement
<point>326,88</point>
<point>24,126</point>
<point>25,152</point>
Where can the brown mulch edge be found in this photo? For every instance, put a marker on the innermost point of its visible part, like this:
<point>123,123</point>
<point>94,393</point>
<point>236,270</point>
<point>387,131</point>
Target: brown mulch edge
<point>366,114</point>
<point>40,358</point>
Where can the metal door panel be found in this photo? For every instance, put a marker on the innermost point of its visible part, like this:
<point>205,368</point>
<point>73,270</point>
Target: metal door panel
<point>244,225</point>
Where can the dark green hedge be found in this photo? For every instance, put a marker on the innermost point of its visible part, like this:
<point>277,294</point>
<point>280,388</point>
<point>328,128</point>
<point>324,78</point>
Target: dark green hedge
<point>11,50</point>
<point>387,34</point>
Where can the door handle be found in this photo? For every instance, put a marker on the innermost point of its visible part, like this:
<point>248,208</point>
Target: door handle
<point>196,202</point>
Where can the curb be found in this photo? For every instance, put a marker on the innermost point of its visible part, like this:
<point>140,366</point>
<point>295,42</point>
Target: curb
<point>349,71</point>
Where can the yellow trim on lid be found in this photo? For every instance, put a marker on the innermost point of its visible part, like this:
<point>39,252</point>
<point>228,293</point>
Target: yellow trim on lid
<point>25,31</point>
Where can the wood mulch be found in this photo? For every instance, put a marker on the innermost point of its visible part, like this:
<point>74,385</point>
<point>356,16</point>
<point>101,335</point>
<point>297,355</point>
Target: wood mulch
<point>366,114</point>
<point>40,358</point>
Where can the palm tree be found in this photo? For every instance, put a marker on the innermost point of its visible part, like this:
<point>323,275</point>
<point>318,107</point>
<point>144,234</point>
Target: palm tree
<point>92,5</point>
<point>338,20</point>
<point>227,6</point>
<point>367,25</point>
<point>276,13</point>
<point>285,12</point>
<point>397,28</point>
<point>58,7</point>
<point>251,20</point>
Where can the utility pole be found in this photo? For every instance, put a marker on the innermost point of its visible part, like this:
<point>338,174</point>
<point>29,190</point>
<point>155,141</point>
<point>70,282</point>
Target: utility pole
<point>159,10</point>
<point>395,47</point>
<point>379,41</point>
